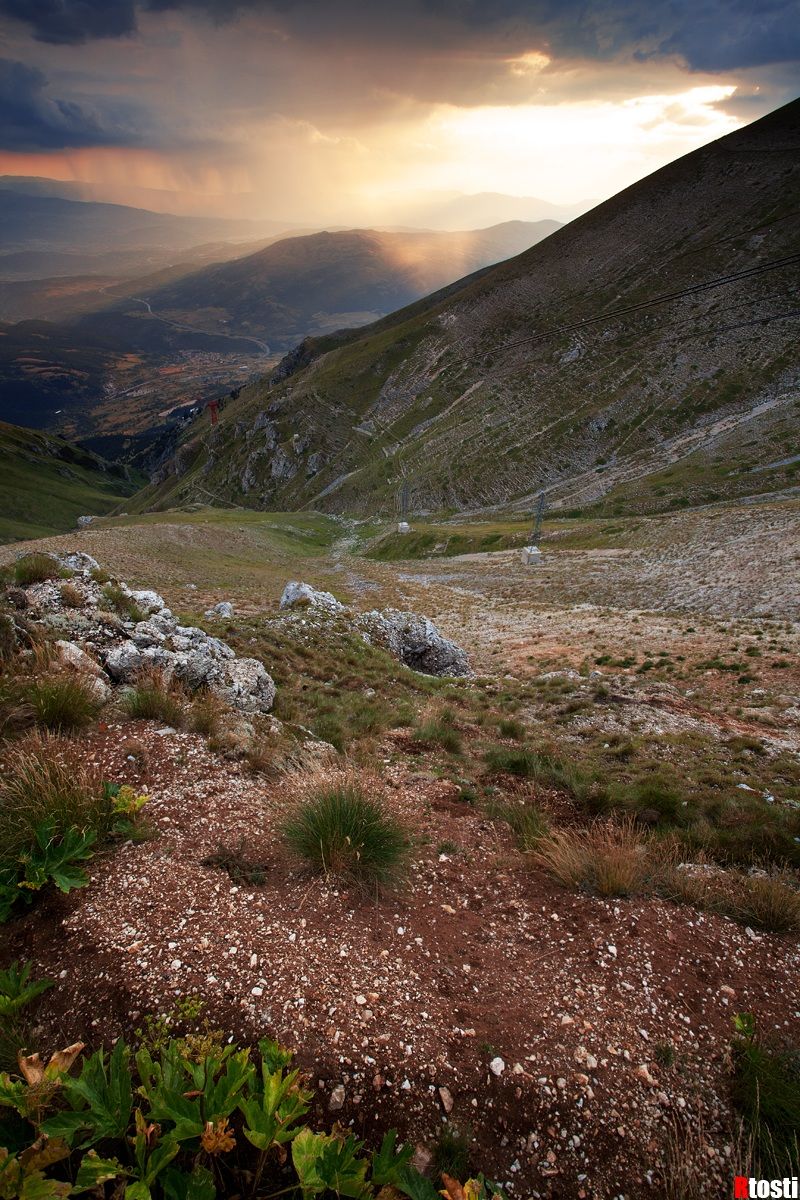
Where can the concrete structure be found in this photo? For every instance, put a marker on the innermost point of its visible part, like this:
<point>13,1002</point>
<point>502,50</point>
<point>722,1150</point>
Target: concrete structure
<point>531,555</point>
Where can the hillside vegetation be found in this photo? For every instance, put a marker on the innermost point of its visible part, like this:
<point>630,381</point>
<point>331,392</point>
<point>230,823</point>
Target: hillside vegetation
<point>46,484</point>
<point>641,358</point>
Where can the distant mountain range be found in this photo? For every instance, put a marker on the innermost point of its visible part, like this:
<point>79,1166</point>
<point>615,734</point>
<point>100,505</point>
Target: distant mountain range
<point>37,222</point>
<point>458,210</point>
<point>327,281</point>
<point>129,349</point>
<point>642,357</point>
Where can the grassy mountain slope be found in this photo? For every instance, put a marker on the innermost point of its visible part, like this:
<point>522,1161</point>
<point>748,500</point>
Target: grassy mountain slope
<point>564,368</point>
<point>46,484</point>
<point>325,281</point>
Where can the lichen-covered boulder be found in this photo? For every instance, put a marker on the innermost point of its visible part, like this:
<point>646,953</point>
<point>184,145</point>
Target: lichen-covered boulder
<point>416,641</point>
<point>302,595</point>
<point>248,686</point>
<point>123,661</point>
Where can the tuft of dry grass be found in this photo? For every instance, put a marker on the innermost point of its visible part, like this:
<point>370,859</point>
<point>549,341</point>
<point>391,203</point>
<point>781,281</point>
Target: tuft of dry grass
<point>71,596</point>
<point>206,713</point>
<point>610,859</point>
<point>35,568</point>
<point>62,701</point>
<point>768,900</point>
<point>45,780</point>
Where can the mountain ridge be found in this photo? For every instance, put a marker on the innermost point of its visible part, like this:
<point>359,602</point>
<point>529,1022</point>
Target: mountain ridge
<point>508,385</point>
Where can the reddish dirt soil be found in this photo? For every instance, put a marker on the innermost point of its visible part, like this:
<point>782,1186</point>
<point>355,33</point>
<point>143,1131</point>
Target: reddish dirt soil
<point>476,958</point>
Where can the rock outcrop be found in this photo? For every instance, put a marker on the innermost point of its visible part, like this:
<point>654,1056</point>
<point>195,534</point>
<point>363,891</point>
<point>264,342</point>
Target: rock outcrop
<point>412,638</point>
<point>416,641</point>
<point>108,646</point>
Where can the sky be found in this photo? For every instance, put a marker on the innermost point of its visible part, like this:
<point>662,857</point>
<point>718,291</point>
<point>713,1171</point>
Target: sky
<point>356,113</point>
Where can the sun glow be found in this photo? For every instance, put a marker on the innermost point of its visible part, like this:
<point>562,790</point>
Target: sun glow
<point>585,149</point>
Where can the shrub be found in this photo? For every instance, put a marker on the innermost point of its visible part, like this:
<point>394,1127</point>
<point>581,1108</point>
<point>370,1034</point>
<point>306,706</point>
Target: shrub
<point>35,568</point>
<point>61,702</point>
<point>153,699</point>
<point>609,859</point>
<point>510,728</point>
<point>340,830</point>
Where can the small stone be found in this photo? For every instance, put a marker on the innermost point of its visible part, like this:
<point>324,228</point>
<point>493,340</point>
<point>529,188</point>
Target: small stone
<point>337,1098</point>
<point>446,1097</point>
<point>497,1066</point>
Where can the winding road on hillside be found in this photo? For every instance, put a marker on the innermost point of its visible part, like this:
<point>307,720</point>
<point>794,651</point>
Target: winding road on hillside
<point>239,337</point>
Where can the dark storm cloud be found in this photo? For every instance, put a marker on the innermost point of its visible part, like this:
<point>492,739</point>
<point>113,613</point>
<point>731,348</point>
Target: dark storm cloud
<point>71,21</point>
<point>710,35</point>
<point>33,121</point>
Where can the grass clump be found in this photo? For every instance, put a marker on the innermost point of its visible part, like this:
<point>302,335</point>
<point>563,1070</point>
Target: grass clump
<point>35,568</point>
<point>440,731</point>
<point>339,829</point>
<point>45,783</point>
<point>206,713</point>
<point>121,602</point>
<point>71,596</point>
<point>607,859</point>
<point>528,824</point>
<point>508,727</point>
<point>152,698</point>
<point>766,1091</point>
<point>770,902</point>
<point>61,702</point>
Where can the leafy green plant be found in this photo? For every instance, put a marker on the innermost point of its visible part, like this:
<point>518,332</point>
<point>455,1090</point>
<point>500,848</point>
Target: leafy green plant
<point>52,857</point>
<point>17,993</point>
<point>175,1127</point>
<point>340,830</point>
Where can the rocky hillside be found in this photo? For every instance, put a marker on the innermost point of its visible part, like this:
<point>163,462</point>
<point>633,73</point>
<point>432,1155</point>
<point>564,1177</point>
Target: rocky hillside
<point>642,357</point>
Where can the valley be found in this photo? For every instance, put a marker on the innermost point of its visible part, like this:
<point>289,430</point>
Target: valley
<point>350,843</point>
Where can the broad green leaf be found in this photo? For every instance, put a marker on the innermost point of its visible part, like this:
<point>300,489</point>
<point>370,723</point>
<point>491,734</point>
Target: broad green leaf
<point>95,1171</point>
<point>416,1186</point>
<point>179,1185</point>
<point>388,1165</point>
<point>137,1191</point>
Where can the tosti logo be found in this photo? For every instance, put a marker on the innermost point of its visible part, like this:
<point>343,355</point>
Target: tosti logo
<point>747,1189</point>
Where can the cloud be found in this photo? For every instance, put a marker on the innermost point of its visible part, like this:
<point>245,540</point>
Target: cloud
<point>72,21</point>
<point>32,120</point>
<point>708,35</point>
